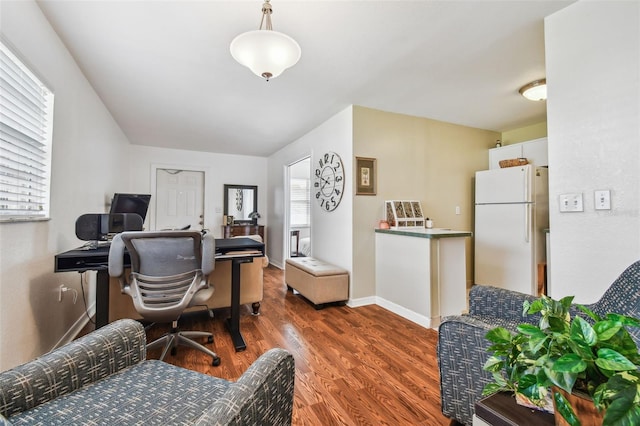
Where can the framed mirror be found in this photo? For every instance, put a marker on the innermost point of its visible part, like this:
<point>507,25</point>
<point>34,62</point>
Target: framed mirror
<point>240,201</point>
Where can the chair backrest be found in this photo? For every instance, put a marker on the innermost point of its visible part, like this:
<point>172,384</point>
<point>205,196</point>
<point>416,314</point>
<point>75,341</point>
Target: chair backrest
<point>623,297</point>
<point>167,269</point>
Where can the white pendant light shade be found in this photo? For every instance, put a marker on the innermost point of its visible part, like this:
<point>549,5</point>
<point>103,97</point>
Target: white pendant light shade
<point>266,53</point>
<point>535,91</point>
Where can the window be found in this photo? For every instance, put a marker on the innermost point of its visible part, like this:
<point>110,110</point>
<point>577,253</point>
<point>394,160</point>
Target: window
<point>300,202</point>
<point>26,124</point>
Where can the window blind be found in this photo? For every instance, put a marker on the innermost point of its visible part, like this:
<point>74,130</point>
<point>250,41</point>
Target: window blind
<point>300,202</point>
<point>26,118</point>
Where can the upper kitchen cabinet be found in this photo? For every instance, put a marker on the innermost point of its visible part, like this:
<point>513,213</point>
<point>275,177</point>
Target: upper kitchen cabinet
<point>535,151</point>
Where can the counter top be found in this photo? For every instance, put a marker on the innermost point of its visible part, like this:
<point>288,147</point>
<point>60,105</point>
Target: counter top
<point>426,233</point>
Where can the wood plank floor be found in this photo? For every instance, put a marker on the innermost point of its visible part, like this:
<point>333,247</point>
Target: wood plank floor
<point>361,366</point>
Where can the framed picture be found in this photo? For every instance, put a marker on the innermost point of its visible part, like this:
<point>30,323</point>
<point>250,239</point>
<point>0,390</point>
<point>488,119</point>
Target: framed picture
<point>366,176</point>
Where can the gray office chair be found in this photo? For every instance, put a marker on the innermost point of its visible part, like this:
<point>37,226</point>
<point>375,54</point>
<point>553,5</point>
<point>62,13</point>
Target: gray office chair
<point>169,272</point>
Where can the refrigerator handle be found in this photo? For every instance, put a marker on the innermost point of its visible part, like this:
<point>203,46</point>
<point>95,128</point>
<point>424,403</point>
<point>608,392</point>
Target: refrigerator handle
<point>527,222</point>
<point>527,185</point>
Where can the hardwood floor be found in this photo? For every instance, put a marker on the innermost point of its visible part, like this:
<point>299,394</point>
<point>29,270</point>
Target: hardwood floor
<point>361,366</point>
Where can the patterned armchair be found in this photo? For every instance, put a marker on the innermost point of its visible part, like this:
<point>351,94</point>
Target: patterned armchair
<point>462,348</point>
<point>104,379</point>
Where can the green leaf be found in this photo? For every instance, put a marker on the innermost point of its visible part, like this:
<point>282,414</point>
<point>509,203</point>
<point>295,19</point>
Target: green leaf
<point>625,320</point>
<point>608,359</point>
<point>498,335</point>
<point>564,380</point>
<point>493,364</point>
<point>569,363</point>
<point>622,410</point>
<point>565,409</point>
<point>595,317</point>
<point>526,381</point>
<point>607,329</point>
<point>491,388</point>
<point>582,330</point>
<point>533,307</point>
<point>529,330</point>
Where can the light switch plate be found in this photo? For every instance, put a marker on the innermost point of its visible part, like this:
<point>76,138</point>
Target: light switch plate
<point>602,199</point>
<point>571,203</point>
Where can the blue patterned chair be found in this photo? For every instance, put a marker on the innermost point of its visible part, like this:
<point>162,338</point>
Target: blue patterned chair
<point>103,378</point>
<point>462,348</point>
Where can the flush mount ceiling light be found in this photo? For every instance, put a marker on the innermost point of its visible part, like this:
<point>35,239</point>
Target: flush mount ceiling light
<point>535,91</point>
<point>265,52</point>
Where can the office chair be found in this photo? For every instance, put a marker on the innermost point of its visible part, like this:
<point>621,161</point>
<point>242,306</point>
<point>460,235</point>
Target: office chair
<point>169,272</point>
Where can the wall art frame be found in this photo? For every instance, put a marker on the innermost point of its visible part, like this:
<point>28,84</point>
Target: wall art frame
<point>366,176</point>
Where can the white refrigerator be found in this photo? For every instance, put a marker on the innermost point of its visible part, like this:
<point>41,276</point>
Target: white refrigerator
<point>511,214</point>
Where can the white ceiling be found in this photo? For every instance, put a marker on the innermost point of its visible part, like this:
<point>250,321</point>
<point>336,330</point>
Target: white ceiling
<point>164,70</point>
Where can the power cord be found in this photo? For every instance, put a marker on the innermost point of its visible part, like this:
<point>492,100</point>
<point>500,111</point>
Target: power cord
<point>84,298</point>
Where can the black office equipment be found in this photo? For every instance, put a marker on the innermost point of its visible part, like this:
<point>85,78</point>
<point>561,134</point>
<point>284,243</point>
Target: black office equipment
<point>98,226</point>
<point>130,203</point>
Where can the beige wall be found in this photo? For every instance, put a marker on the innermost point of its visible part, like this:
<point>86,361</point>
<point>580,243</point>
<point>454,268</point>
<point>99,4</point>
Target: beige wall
<point>527,133</point>
<point>419,159</point>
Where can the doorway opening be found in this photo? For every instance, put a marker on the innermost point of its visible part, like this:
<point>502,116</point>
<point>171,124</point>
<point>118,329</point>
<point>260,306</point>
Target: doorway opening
<point>299,210</point>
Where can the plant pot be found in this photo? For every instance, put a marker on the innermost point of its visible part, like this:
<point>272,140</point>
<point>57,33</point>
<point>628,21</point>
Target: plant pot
<point>582,405</point>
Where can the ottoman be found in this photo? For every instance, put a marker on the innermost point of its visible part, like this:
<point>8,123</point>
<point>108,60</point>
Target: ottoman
<point>319,282</point>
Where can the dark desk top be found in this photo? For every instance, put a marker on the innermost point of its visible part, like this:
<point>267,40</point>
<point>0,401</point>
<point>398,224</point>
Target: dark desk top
<point>225,245</point>
<point>83,259</point>
<point>501,409</point>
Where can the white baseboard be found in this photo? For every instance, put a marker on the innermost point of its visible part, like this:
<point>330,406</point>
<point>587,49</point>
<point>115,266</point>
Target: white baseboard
<point>408,314</point>
<point>362,301</point>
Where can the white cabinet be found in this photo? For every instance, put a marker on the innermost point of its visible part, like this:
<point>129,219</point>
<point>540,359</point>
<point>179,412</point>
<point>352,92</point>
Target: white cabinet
<point>535,151</point>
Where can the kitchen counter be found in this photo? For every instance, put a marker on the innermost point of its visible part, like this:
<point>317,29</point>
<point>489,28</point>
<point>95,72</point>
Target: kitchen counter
<point>426,233</point>
<point>421,273</point>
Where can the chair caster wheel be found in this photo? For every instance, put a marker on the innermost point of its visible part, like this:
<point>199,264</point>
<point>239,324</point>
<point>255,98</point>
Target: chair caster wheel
<point>210,339</point>
<point>216,361</point>
<point>174,351</point>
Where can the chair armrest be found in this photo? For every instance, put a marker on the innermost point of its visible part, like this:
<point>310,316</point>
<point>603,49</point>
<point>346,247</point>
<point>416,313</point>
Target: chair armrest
<point>262,396</point>
<point>461,353</point>
<point>497,302</point>
<point>86,360</point>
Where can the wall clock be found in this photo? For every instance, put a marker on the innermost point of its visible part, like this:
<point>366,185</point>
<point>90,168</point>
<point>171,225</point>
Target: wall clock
<point>328,182</point>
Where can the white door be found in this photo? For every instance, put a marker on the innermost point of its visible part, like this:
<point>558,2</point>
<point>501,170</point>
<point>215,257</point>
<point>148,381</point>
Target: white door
<point>179,199</point>
<point>504,247</point>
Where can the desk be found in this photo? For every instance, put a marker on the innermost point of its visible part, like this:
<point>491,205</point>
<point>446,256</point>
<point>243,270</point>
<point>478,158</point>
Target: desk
<point>81,260</point>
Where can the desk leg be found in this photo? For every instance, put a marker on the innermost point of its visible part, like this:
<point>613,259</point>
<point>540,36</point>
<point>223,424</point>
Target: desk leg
<point>233,323</point>
<point>102,298</point>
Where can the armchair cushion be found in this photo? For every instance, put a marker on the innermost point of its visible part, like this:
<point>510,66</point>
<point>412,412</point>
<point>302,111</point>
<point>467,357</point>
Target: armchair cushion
<point>103,379</point>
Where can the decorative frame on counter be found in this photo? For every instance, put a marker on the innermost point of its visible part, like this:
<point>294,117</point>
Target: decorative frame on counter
<point>366,176</point>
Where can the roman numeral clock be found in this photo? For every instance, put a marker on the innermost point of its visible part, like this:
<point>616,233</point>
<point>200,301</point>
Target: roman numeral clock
<point>329,181</point>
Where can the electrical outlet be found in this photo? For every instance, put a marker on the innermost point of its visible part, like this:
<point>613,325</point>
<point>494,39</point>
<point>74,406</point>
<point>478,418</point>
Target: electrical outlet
<point>62,288</point>
<point>602,199</point>
<point>571,203</point>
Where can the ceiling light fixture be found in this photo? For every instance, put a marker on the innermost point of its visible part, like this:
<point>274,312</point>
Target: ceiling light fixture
<point>265,52</point>
<point>535,91</point>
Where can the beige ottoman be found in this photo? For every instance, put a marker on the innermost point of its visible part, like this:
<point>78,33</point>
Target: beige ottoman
<point>320,282</point>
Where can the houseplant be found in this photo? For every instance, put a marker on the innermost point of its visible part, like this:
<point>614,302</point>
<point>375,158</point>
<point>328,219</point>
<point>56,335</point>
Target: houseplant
<point>572,352</point>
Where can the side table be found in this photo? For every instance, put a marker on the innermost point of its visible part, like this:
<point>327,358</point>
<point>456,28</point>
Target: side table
<point>501,409</point>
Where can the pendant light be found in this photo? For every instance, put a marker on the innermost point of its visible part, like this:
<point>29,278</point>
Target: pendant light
<point>265,52</point>
<point>535,91</point>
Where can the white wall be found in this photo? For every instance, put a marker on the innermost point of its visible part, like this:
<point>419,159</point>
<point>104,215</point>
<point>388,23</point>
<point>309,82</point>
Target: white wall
<point>88,147</point>
<point>593,113</point>
<point>220,169</point>
<point>331,232</point>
